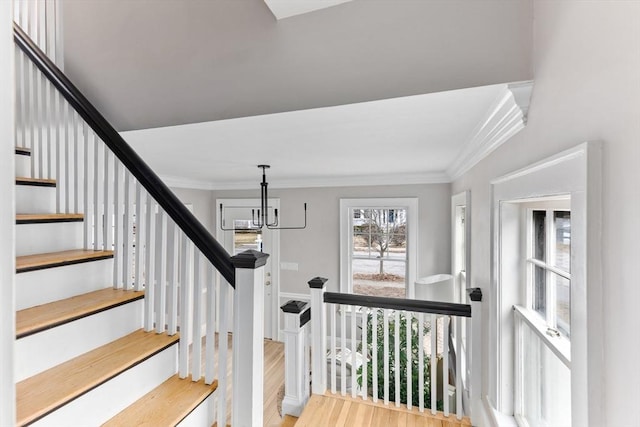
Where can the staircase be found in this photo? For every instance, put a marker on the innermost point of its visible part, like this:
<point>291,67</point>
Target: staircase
<point>82,355</point>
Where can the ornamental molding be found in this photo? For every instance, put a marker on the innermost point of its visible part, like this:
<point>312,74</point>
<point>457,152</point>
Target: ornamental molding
<point>506,117</point>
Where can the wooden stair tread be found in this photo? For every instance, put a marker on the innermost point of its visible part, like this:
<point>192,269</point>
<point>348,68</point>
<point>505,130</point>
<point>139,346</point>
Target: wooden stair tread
<point>48,218</point>
<point>35,319</point>
<point>43,393</point>
<point>166,405</point>
<point>24,151</point>
<point>38,182</point>
<point>56,259</point>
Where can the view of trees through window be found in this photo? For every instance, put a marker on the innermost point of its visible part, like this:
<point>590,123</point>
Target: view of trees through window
<point>379,253</point>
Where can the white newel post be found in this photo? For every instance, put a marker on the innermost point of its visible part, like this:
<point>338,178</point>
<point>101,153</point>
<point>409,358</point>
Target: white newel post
<point>248,339</point>
<point>318,336</point>
<point>296,392</point>
<point>475,354</point>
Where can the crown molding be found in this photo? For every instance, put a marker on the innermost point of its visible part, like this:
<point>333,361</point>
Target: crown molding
<point>335,181</point>
<point>506,117</point>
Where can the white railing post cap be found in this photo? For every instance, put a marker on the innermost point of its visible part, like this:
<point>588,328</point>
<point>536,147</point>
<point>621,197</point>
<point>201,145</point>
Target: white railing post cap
<point>250,259</point>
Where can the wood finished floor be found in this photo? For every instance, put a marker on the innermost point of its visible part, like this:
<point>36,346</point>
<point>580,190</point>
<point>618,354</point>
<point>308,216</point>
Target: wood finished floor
<point>273,380</point>
<point>338,411</point>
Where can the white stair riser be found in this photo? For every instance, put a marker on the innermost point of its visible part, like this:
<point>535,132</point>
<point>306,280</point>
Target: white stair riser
<point>75,338</point>
<point>35,199</point>
<point>105,401</point>
<point>203,415</point>
<point>52,284</point>
<point>48,237</point>
<point>23,166</point>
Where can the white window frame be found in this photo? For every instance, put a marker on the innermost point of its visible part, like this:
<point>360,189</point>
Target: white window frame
<point>577,173</point>
<point>346,236</point>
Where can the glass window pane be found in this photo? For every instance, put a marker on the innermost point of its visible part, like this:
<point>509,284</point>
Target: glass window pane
<point>539,235</point>
<point>546,384</point>
<point>247,239</point>
<point>562,226</point>
<point>379,277</point>
<point>540,290</point>
<point>563,305</point>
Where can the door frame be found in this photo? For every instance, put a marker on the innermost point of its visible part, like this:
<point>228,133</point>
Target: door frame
<point>274,257</point>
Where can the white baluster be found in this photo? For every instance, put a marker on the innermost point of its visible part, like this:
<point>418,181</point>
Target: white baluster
<point>127,232</point>
<point>374,351</point>
<point>332,313</point>
<point>409,378</point>
<point>99,203</point>
<point>39,122</point>
<point>459,355</point>
<point>68,146</point>
<point>385,320</point>
<point>434,363</point>
<point>117,224</point>
<point>396,350</point>
<point>108,208</point>
<point>211,324</point>
<point>223,351</point>
<point>173,260</point>
<point>161,272</point>
<point>197,316</point>
<point>150,265</point>
<point>354,342</point>
<point>421,362</point>
<point>363,342</point>
<point>140,235</point>
<point>185,300</point>
<point>445,365</point>
<point>343,349</point>
<point>77,149</point>
<point>88,197</point>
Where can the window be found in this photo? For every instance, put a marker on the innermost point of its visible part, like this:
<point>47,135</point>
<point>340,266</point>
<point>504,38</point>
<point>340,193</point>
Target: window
<point>377,246</point>
<point>543,321</point>
<point>549,267</point>
<point>543,274</point>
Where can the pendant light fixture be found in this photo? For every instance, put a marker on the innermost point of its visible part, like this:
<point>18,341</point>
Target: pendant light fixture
<point>260,217</point>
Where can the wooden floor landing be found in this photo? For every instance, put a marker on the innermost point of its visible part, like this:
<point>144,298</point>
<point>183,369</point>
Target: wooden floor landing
<point>338,411</point>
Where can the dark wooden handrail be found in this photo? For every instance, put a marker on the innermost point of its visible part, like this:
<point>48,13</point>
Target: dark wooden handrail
<point>184,219</point>
<point>436,307</point>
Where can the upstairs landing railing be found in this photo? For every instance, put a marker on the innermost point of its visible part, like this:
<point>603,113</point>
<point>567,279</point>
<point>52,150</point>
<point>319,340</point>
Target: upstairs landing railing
<point>160,247</point>
<point>397,351</point>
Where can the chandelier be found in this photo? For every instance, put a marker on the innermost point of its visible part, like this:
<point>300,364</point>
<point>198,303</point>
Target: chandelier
<point>260,217</point>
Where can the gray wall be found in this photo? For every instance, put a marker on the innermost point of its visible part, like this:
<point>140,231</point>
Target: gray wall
<point>587,87</point>
<point>316,249</point>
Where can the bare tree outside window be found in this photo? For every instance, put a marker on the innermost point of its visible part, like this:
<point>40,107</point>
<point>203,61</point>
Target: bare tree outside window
<point>379,252</point>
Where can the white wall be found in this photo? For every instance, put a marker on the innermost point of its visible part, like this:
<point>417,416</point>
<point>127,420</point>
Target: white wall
<point>7,216</point>
<point>316,249</point>
<point>587,87</point>
<point>202,201</point>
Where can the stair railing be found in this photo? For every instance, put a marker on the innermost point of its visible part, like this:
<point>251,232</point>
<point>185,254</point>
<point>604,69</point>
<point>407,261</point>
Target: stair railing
<point>160,247</point>
<point>393,350</point>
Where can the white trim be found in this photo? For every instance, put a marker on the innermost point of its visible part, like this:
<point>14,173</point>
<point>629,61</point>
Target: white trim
<point>295,296</point>
<point>560,346</point>
<point>334,181</point>
<point>7,216</point>
<point>577,173</point>
<point>505,118</point>
<point>409,203</point>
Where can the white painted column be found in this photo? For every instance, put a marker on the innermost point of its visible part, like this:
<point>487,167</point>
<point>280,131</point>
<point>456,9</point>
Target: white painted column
<point>248,339</point>
<point>318,336</point>
<point>296,394</point>
<point>474,354</point>
<point>7,216</point>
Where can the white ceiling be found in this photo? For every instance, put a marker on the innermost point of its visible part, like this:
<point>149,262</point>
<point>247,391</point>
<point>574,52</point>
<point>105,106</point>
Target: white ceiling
<point>413,139</point>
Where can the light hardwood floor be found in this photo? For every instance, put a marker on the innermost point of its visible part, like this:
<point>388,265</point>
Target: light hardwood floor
<point>273,381</point>
<point>338,411</point>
